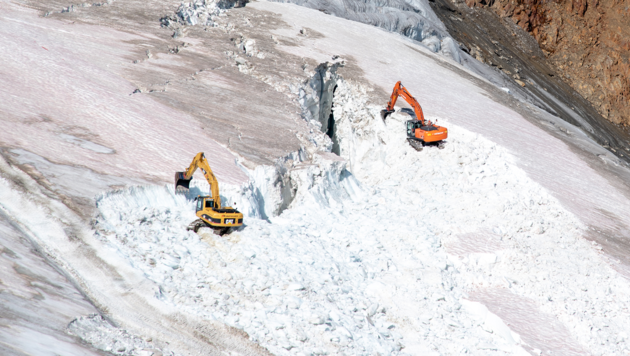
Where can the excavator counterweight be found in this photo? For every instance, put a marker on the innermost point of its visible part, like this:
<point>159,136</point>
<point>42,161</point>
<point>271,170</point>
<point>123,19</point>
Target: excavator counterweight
<point>209,209</point>
<point>419,130</point>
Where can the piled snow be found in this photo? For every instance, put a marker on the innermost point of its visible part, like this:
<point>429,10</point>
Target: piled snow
<point>529,243</point>
<point>294,285</point>
<point>392,251</point>
<point>103,336</point>
<point>199,12</point>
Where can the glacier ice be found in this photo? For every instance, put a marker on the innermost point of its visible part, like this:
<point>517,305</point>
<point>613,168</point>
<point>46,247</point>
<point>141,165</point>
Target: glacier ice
<point>414,19</point>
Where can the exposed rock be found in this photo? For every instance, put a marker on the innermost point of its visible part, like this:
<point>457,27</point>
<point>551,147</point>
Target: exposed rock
<point>508,48</point>
<point>587,42</point>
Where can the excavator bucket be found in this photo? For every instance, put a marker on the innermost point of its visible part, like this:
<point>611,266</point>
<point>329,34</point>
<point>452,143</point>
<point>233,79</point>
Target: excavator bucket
<point>385,113</point>
<point>180,180</point>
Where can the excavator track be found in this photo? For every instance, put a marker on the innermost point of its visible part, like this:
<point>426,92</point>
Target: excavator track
<point>222,231</point>
<point>416,144</point>
<point>419,145</point>
<point>196,225</point>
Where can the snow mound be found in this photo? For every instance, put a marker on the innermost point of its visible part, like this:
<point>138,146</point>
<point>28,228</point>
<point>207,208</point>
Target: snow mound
<point>502,231</point>
<point>382,250</point>
<point>293,284</point>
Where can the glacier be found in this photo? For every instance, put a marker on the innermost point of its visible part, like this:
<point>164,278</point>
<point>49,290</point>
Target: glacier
<point>494,245</point>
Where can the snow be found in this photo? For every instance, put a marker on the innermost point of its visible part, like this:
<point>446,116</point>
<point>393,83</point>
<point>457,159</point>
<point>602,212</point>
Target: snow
<point>36,300</point>
<point>361,261</point>
<point>69,86</point>
<point>476,248</point>
<point>414,19</point>
<point>572,167</point>
<point>102,335</point>
<point>113,285</point>
<point>540,331</point>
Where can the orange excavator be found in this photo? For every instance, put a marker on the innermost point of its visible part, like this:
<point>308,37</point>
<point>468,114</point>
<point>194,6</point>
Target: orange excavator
<point>420,132</point>
<point>209,210</point>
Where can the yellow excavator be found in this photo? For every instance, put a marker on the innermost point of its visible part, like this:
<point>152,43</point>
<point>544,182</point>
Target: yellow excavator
<point>209,210</point>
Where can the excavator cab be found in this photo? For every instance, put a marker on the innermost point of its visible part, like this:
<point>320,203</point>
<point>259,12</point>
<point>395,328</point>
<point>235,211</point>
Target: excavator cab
<point>420,134</point>
<point>413,125</point>
<point>204,202</point>
<point>411,128</point>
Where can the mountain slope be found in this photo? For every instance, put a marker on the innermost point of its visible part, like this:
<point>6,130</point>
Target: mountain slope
<point>381,248</point>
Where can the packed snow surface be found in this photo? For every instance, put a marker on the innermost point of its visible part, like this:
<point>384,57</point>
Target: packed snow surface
<point>392,251</point>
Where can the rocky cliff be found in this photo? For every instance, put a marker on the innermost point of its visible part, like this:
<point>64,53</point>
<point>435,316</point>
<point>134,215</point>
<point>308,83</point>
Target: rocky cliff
<point>588,42</point>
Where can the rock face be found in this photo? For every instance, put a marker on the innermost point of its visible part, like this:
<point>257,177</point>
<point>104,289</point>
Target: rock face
<point>588,41</point>
<point>516,55</point>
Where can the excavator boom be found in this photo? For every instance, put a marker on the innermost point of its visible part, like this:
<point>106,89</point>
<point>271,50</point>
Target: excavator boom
<point>183,178</point>
<point>400,90</point>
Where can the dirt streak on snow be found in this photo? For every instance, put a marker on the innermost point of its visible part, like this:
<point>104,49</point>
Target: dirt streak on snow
<point>474,242</point>
<point>538,330</point>
<point>60,85</point>
<point>36,301</point>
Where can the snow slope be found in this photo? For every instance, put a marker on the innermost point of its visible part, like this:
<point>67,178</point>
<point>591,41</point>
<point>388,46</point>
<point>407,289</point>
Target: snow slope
<point>30,283</point>
<point>71,86</point>
<point>581,175</point>
<point>478,247</point>
<point>413,19</point>
<point>398,257</point>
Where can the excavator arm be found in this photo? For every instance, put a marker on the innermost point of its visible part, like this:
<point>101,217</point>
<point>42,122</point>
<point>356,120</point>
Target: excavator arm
<point>400,90</point>
<point>183,178</point>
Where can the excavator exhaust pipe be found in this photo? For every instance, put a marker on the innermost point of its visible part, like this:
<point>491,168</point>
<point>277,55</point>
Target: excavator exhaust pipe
<point>181,181</point>
<point>385,113</point>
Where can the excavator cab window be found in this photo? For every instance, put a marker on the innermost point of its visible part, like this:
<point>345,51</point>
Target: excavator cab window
<point>199,204</point>
<point>410,128</point>
<point>209,203</point>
